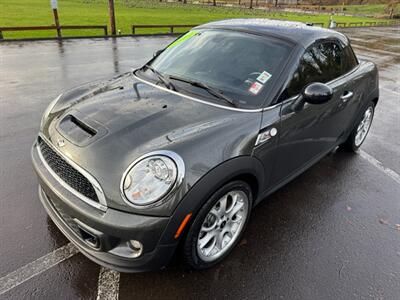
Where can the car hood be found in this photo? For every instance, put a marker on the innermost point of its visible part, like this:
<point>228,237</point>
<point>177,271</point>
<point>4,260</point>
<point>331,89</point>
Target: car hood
<point>105,126</point>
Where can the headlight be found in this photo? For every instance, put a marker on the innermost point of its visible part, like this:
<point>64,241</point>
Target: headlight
<point>48,110</point>
<point>152,177</point>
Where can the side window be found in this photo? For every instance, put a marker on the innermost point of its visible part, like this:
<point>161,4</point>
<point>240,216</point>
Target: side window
<point>331,59</point>
<point>349,60</point>
<point>320,63</point>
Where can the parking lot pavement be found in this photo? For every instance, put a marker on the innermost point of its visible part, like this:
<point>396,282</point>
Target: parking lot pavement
<point>331,233</point>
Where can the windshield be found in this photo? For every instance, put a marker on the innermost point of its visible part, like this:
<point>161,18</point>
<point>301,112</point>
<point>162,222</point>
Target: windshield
<point>221,65</point>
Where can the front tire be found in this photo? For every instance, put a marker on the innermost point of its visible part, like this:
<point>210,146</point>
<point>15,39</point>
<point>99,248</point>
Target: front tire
<point>360,132</point>
<point>218,226</point>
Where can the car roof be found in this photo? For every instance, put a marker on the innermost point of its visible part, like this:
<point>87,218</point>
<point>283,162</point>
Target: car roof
<point>297,32</point>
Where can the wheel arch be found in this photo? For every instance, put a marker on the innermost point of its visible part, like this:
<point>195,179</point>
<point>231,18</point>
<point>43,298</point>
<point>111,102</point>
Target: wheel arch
<point>251,180</point>
<point>246,168</point>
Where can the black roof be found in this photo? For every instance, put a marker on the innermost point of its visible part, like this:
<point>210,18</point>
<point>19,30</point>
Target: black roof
<point>297,32</point>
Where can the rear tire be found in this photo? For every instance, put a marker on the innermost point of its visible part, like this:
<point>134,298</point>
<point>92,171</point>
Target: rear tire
<point>360,131</point>
<point>218,226</point>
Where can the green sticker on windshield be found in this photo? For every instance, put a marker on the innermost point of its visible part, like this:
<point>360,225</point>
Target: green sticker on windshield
<point>184,38</point>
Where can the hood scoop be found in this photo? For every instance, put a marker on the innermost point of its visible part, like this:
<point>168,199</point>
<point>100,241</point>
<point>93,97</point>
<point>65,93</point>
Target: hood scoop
<point>80,129</point>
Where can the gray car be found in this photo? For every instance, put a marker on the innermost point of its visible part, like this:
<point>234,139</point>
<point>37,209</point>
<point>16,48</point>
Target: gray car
<point>172,157</point>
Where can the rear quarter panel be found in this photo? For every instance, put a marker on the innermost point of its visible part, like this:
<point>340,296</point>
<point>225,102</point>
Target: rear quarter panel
<point>365,82</point>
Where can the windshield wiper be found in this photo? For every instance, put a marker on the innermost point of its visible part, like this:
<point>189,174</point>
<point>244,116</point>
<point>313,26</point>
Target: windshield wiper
<point>160,77</point>
<point>213,91</point>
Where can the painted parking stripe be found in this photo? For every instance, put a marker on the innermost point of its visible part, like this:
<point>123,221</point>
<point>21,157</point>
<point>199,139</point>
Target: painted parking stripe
<point>380,166</point>
<point>36,267</point>
<point>108,285</point>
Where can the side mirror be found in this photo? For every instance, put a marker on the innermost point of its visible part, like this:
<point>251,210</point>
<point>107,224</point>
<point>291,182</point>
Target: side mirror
<point>317,93</point>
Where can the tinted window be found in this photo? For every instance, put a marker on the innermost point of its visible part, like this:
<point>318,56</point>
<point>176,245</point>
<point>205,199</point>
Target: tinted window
<point>349,60</point>
<point>320,63</point>
<point>240,65</point>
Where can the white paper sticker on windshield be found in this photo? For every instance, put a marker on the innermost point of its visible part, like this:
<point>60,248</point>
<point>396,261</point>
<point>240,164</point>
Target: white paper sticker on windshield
<point>264,77</point>
<point>255,88</point>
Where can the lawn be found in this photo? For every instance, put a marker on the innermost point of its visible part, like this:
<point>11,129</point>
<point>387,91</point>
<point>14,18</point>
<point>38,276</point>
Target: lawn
<point>95,12</point>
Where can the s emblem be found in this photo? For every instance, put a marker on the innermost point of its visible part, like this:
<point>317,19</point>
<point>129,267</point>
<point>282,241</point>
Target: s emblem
<point>266,135</point>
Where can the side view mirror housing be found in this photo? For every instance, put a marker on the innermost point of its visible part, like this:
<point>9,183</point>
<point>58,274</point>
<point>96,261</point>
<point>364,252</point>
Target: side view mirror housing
<point>314,93</point>
<point>317,93</point>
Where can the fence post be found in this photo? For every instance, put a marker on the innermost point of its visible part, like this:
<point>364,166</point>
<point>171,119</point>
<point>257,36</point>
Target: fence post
<point>1,35</point>
<point>112,16</point>
<point>56,20</point>
<point>105,30</point>
<point>133,29</point>
<point>171,29</point>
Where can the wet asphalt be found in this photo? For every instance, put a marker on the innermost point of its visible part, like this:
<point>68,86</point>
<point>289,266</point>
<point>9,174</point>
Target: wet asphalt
<point>329,234</point>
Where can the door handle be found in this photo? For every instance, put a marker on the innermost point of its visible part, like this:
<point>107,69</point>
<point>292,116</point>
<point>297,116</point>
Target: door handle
<point>346,96</point>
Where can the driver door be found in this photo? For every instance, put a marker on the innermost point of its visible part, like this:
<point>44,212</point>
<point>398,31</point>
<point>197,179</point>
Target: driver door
<point>309,133</point>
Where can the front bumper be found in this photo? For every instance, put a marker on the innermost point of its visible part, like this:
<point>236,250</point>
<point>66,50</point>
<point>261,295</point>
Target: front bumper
<point>103,236</point>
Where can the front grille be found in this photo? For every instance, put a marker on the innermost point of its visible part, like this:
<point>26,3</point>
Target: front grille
<point>66,172</point>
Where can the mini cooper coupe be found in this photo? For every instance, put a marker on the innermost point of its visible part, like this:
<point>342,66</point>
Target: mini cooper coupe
<point>172,157</point>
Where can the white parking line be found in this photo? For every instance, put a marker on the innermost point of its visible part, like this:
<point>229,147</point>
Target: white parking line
<point>108,285</point>
<point>36,267</point>
<point>380,166</point>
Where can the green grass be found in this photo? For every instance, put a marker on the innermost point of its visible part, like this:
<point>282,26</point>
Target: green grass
<point>95,12</point>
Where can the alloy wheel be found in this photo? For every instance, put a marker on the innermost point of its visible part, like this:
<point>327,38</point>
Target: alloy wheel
<point>363,126</point>
<point>222,225</point>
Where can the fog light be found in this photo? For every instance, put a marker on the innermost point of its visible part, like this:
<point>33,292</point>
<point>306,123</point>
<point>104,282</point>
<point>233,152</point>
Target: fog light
<point>136,248</point>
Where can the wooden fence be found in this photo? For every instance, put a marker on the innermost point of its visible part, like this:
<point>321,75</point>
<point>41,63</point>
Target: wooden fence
<point>52,27</point>
<point>170,26</point>
<point>367,24</point>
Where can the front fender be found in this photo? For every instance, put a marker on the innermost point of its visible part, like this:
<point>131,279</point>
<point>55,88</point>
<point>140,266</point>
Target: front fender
<point>207,185</point>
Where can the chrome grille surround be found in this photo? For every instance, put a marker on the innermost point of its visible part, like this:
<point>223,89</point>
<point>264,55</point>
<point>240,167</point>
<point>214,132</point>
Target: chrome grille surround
<point>88,190</point>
